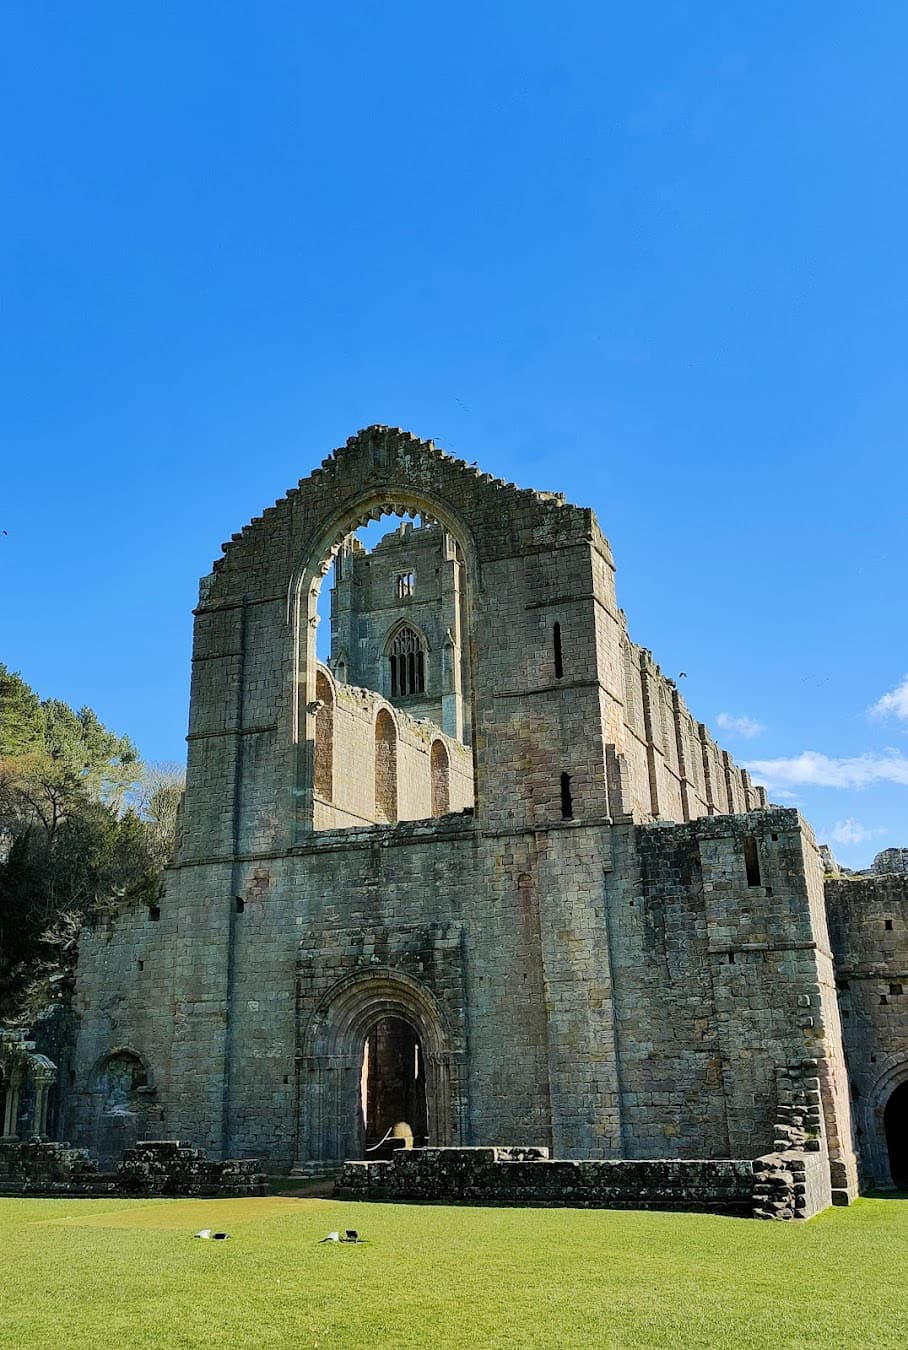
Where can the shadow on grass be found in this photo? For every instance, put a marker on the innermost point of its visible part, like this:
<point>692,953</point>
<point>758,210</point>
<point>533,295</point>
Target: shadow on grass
<point>320,1187</point>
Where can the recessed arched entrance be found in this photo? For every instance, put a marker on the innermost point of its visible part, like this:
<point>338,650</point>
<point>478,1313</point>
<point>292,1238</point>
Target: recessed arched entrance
<point>393,1087</point>
<point>377,1047</point>
<point>895,1124</point>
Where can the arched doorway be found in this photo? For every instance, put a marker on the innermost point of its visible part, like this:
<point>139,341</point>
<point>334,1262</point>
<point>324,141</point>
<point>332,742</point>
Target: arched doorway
<point>393,1087</point>
<point>895,1123</point>
<point>377,1046</point>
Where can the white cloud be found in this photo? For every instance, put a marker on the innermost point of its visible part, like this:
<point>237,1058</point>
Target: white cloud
<point>851,831</point>
<point>810,767</point>
<point>742,726</point>
<point>893,704</point>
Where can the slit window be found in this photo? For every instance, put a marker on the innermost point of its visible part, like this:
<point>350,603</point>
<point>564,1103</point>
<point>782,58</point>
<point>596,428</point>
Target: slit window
<point>559,658</point>
<point>567,801</point>
<point>751,860</point>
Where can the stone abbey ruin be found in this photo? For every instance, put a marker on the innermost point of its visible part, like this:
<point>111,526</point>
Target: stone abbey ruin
<point>483,877</point>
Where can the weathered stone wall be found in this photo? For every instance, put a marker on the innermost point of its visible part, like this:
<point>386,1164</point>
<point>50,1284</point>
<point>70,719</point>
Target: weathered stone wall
<point>514,1176</point>
<point>151,1167</point>
<point>351,745</point>
<point>582,984</point>
<point>576,975</point>
<point>868,926</point>
<point>790,1185</point>
<point>891,860</point>
<point>730,981</point>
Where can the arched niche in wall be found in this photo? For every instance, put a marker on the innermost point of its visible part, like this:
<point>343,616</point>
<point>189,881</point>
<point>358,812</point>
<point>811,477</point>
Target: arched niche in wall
<point>324,737</point>
<point>441,779</point>
<point>121,1084</point>
<point>385,767</point>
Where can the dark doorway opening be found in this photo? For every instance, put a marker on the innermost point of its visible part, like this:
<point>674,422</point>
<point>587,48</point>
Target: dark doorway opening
<point>393,1089</point>
<point>896,1122</point>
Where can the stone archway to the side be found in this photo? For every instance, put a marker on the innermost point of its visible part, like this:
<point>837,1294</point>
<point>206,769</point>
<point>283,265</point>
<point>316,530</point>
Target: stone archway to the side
<point>331,1065</point>
<point>884,1127</point>
<point>895,1128</point>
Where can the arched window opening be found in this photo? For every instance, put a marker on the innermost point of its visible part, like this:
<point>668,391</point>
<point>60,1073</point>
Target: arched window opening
<point>441,779</point>
<point>407,659</point>
<point>324,738</point>
<point>393,1089</point>
<point>895,1120</point>
<point>385,767</point>
<point>379,639</point>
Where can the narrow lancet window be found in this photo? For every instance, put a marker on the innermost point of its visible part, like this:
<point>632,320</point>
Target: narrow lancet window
<point>559,659</point>
<point>567,801</point>
<point>751,860</point>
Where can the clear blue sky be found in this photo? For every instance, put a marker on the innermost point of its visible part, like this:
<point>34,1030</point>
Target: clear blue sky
<point>653,256</point>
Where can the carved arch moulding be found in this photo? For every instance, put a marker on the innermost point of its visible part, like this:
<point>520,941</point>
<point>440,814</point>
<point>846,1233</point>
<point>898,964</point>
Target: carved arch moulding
<point>335,1016</point>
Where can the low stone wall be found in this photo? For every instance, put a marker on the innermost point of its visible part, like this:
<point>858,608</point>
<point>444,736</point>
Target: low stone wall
<point>167,1167</point>
<point>153,1167</point>
<point>527,1176</point>
<point>791,1184</point>
<point>33,1166</point>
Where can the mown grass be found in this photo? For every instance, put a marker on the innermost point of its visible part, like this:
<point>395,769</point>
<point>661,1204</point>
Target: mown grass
<point>128,1273</point>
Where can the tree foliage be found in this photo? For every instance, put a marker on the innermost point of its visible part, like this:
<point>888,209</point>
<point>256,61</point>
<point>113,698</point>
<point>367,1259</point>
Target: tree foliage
<point>84,827</point>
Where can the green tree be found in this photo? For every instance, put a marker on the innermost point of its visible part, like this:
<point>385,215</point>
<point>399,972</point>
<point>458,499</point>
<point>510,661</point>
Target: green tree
<point>84,827</point>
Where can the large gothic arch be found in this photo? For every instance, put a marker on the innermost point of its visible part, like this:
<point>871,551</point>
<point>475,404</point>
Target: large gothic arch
<point>392,498</point>
<point>330,1062</point>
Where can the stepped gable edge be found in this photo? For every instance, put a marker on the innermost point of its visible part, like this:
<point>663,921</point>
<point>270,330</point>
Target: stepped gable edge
<point>385,470</point>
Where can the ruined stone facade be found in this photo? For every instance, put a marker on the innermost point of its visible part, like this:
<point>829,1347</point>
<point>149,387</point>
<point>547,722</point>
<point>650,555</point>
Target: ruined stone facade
<point>868,927</point>
<point>534,887</point>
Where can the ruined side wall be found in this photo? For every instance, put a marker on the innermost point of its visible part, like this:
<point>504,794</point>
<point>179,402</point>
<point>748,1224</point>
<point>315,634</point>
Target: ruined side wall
<point>352,801</point>
<point>718,984</point>
<point>675,769</point>
<point>868,927</point>
<point>171,1010</point>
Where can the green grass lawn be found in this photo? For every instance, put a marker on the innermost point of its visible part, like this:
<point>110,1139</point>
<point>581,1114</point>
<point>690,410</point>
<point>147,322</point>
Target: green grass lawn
<point>127,1273</point>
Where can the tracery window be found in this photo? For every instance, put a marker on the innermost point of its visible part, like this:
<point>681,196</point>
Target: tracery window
<point>408,663</point>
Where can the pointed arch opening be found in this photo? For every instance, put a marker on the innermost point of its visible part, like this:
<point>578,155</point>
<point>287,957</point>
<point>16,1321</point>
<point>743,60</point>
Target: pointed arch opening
<point>407,653</point>
<point>406,658</point>
<point>441,779</point>
<point>385,767</point>
<point>324,737</point>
